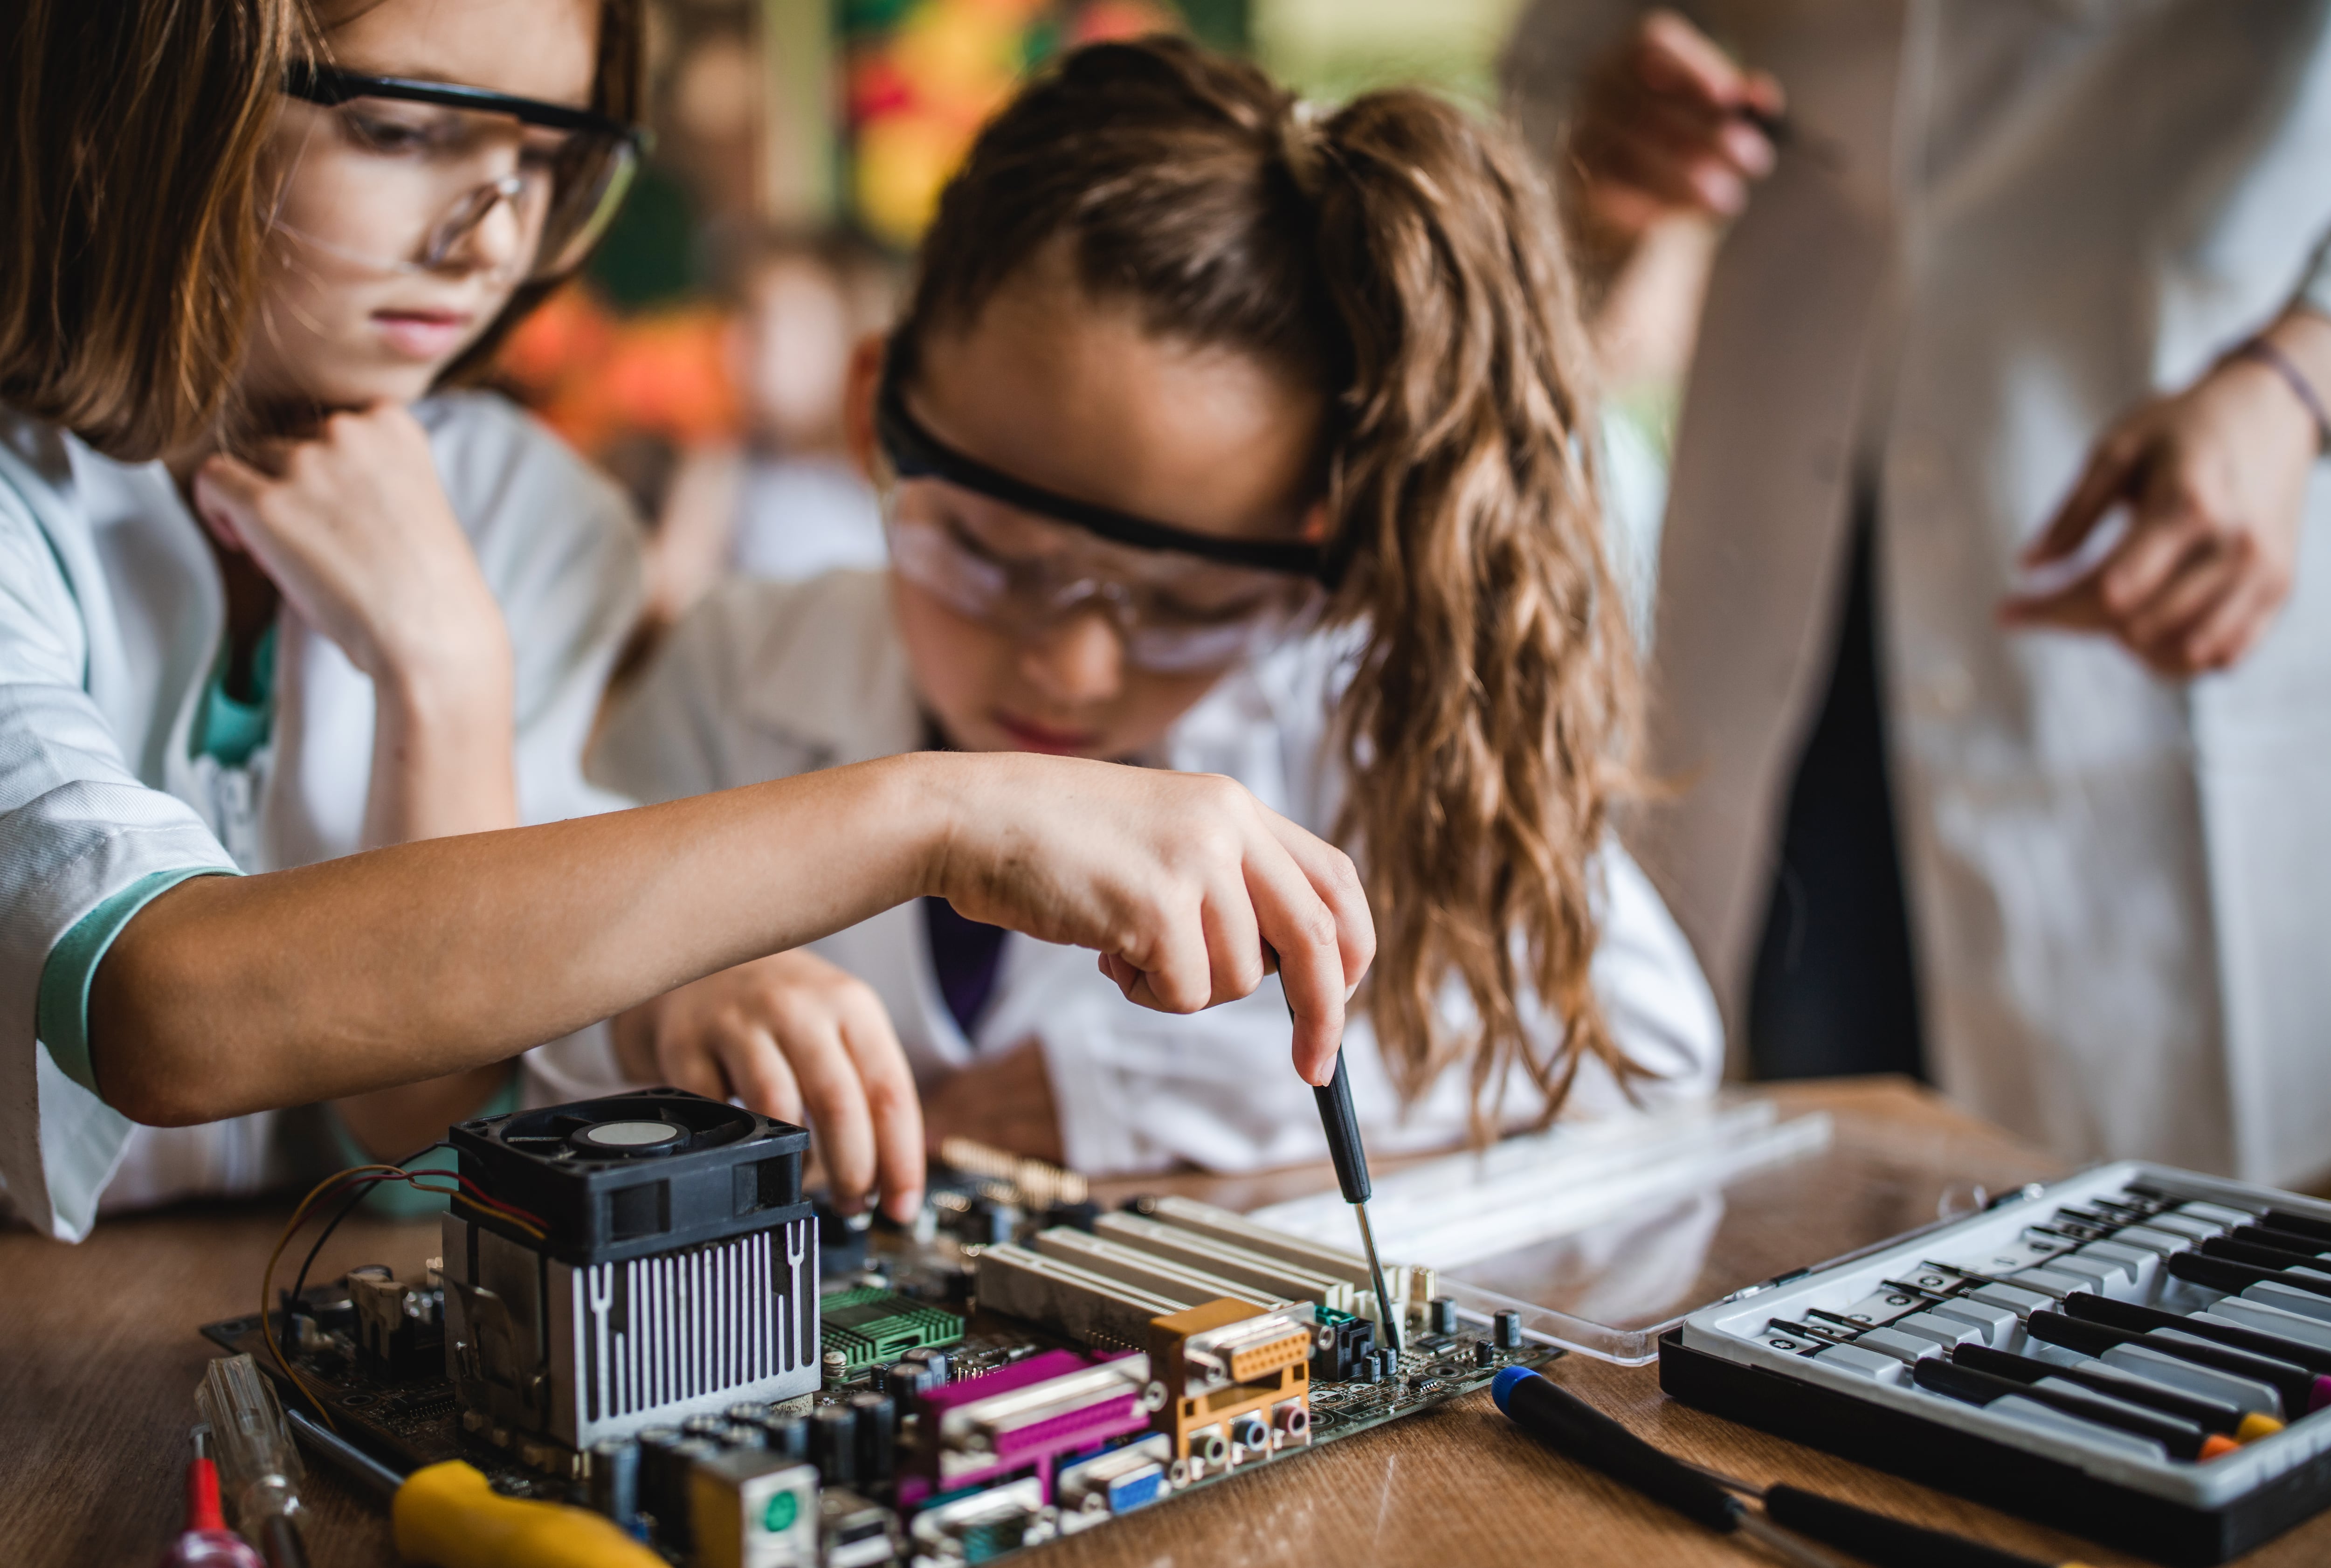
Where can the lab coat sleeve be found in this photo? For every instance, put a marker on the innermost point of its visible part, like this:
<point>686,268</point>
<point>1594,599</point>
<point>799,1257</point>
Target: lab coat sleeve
<point>1141,1091</point>
<point>2314,293</point>
<point>671,732</point>
<point>557,545</point>
<point>76,827</point>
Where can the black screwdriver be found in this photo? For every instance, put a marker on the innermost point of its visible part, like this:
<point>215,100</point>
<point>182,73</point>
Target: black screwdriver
<point>1579,1431</point>
<point>2300,1224</point>
<point>2214,1415</point>
<point>2228,1276</point>
<point>2293,1384</point>
<point>1343,1126</point>
<point>2314,1249</point>
<point>1872,1537</point>
<point>2261,1254</point>
<point>2128,1314</point>
<point>1960,1381</point>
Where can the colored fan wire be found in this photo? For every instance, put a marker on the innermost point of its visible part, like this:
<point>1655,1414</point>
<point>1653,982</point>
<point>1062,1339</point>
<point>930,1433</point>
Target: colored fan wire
<point>362,1179</point>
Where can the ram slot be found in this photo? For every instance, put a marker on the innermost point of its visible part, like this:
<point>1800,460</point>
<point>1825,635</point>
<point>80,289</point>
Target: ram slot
<point>1177,1282</point>
<point>1251,1271</point>
<point>1408,1283</point>
<point>1088,1307</point>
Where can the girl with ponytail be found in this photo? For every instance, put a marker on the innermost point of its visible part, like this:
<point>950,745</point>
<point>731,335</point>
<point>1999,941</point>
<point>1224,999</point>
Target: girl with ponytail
<point>1226,436</point>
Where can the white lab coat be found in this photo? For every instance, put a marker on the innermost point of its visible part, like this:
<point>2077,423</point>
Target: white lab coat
<point>111,617</point>
<point>2003,223</point>
<point>764,681</point>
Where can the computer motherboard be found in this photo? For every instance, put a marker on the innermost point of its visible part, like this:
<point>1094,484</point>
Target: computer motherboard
<point>814,1391</point>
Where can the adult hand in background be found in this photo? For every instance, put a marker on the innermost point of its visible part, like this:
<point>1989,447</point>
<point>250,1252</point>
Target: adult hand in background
<point>1667,125</point>
<point>799,1039</point>
<point>2213,481</point>
<point>1188,888</point>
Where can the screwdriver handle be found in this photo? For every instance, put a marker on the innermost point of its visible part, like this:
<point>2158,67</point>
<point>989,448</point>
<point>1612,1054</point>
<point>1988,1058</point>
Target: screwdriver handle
<point>445,1515</point>
<point>1579,1431</point>
<point>2226,1275</point>
<point>1889,1543</point>
<point>1343,1124</point>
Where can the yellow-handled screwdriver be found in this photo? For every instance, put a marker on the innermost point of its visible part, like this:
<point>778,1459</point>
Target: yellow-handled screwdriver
<point>447,1515</point>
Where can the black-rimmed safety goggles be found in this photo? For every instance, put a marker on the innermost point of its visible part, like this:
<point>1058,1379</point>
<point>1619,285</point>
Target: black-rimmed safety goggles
<point>572,188</point>
<point>913,452</point>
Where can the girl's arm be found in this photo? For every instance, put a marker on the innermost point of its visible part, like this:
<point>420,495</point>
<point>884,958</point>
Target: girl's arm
<point>354,527</point>
<point>229,995</point>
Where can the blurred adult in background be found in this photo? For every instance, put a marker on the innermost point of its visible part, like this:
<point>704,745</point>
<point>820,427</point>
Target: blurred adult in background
<point>786,501</point>
<point>804,508</point>
<point>1991,606</point>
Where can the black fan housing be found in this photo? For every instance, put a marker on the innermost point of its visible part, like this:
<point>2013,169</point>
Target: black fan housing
<point>633,1173</point>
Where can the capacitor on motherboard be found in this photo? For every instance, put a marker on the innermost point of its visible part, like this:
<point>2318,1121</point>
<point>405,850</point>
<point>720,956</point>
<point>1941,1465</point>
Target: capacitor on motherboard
<point>615,1481</point>
<point>749,1426</point>
<point>1506,1328</point>
<point>988,1222</point>
<point>918,1371</point>
<point>721,1430</point>
<point>1484,1354</point>
<point>664,1467</point>
<point>1443,1309</point>
<point>833,1444</point>
<point>785,1435</point>
<point>878,1435</point>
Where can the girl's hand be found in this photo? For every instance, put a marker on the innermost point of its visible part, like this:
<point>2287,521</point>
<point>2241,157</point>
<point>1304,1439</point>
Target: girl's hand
<point>1190,888</point>
<point>795,1038</point>
<point>2213,480</point>
<point>353,527</point>
<point>1665,125</point>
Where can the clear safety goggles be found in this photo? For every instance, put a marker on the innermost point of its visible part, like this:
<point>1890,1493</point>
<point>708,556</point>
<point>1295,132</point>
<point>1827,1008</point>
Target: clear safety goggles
<point>457,155</point>
<point>1022,560</point>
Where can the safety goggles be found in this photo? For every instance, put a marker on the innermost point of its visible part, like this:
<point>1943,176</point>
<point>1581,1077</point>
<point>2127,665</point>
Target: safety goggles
<point>1020,559</point>
<point>456,155</point>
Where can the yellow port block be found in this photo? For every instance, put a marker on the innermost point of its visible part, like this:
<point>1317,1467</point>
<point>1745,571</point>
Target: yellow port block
<point>1246,1366</point>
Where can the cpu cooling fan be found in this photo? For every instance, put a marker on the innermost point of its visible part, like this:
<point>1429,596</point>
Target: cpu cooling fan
<point>649,1257</point>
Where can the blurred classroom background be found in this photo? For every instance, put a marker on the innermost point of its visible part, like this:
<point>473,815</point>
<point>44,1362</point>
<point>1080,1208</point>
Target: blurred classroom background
<point>800,145</point>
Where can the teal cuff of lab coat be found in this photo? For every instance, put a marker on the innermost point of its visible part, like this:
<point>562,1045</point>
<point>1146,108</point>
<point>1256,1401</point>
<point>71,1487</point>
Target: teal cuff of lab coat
<point>61,1012</point>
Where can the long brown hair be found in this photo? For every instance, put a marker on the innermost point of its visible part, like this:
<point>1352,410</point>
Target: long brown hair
<point>1407,261</point>
<point>132,203</point>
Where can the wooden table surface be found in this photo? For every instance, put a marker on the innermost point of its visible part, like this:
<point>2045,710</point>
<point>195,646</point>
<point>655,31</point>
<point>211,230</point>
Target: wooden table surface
<point>98,1360</point>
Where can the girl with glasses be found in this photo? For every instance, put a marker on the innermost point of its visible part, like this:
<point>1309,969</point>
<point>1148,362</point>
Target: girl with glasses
<point>1220,437</point>
<point>273,593</point>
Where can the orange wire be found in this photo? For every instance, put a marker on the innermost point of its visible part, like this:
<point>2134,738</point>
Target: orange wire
<point>515,1215</point>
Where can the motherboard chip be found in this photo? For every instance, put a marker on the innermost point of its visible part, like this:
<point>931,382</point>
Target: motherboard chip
<point>875,1327</point>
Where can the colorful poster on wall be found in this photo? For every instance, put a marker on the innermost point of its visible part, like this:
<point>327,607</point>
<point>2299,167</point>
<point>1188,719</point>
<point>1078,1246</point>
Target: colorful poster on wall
<point>921,77</point>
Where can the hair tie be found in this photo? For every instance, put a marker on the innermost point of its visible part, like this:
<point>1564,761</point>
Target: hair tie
<point>1299,145</point>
